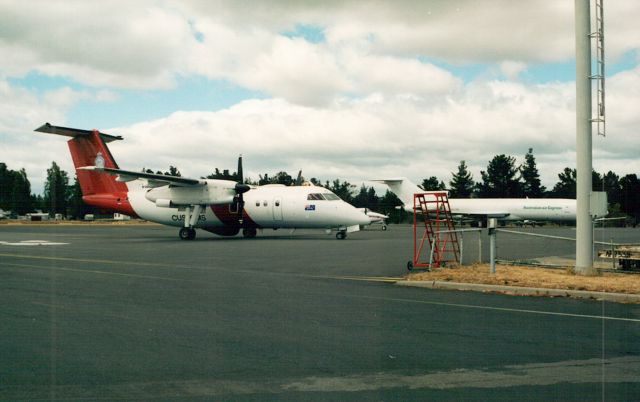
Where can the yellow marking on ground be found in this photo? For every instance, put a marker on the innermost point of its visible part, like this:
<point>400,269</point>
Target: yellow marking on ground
<point>383,279</point>
<point>92,271</point>
<point>386,279</point>
<point>40,257</point>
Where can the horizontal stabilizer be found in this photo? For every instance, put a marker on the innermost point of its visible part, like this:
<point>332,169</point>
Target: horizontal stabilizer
<point>74,132</point>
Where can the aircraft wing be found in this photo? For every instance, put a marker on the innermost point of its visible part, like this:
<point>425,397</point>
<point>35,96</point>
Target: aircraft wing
<point>155,180</point>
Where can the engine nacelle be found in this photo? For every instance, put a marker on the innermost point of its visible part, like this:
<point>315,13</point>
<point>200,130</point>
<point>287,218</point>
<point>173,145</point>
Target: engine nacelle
<point>212,192</point>
<point>163,203</point>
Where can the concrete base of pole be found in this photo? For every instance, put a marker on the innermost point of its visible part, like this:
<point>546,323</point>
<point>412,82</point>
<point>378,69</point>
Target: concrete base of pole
<point>586,271</point>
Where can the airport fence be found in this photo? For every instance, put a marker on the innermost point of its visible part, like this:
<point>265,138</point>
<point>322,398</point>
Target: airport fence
<point>555,247</point>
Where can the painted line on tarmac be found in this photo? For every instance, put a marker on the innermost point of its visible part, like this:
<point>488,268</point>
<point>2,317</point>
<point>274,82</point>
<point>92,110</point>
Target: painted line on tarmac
<point>32,243</point>
<point>91,260</point>
<point>511,310</point>
<point>384,279</point>
<point>90,271</point>
<point>151,264</point>
<point>161,265</point>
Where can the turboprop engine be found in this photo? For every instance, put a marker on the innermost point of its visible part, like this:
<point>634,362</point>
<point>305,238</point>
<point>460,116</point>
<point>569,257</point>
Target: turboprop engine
<point>209,192</point>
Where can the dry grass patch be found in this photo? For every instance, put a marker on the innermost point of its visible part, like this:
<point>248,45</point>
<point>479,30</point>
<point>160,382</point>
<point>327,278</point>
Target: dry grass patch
<point>533,277</point>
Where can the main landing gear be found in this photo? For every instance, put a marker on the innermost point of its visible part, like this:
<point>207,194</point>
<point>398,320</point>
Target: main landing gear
<point>341,235</point>
<point>190,219</point>
<point>249,233</point>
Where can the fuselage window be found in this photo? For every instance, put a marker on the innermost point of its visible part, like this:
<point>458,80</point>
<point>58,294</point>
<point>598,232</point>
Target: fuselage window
<point>257,203</point>
<point>264,203</point>
<point>277,203</point>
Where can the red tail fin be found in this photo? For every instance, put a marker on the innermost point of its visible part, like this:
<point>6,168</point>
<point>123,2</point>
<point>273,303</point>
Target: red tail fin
<point>89,148</point>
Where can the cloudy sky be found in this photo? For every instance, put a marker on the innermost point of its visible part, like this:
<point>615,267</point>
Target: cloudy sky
<point>342,89</point>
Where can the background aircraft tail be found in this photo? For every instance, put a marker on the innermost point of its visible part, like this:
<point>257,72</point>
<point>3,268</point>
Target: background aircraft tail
<point>89,148</point>
<point>403,188</point>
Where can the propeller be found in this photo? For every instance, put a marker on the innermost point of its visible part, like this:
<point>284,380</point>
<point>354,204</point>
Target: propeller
<point>298,181</point>
<point>240,189</point>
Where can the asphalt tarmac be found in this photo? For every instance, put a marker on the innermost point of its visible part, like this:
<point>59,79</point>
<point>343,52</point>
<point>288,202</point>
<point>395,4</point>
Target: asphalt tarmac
<point>133,313</point>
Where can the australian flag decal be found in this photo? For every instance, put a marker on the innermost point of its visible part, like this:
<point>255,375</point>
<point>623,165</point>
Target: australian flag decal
<point>310,207</point>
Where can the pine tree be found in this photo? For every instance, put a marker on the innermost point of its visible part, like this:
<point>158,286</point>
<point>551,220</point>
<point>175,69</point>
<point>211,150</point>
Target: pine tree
<point>20,200</point>
<point>56,190</point>
<point>6,185</point>
<point>530,177</point>
<point>342,190</point>
<point>566,185</point>
<point>629,200</point>
<point>432,184</point>
<point>15,190</point>
<point>366,198</point>
<point>500,181</point>
<point>462,184</point>
<point>77,208</point>
<point>611,184</point>
<point>391,205</point>
<point>173,171</point>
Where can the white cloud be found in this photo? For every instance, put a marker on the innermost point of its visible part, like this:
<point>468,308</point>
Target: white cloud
<point>381,135</point>
<point>296,70</point>
<point>118,43</point>
<point>512,69</point>
<point>370,47</point>
<point>357,105</point>
<point>393,75</point>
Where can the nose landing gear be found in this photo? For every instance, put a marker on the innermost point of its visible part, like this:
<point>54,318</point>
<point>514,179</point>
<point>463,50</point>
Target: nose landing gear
<point>187,233</point>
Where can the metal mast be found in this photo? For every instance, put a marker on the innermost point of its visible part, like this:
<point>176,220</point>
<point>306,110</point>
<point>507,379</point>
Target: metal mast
<point>584,231</point>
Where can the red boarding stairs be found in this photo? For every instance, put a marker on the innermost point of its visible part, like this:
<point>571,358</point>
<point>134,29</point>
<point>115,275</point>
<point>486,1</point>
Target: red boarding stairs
<point>439,234</point>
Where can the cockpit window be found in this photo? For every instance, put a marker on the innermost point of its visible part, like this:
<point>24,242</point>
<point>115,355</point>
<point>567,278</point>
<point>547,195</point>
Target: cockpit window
<point>315,197</point>
<point>323,196</point>
<point>330,197</point>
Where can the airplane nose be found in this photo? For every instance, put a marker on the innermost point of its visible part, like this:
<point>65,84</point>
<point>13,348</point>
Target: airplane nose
<point>362,218</point>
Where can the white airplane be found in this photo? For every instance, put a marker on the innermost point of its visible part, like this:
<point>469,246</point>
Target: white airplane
<point>511,209</point>
<point>222,207</point>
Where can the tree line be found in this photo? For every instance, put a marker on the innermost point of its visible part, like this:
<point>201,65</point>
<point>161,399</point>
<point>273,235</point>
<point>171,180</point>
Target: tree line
<point>59,196</point>
<point>503,178</point>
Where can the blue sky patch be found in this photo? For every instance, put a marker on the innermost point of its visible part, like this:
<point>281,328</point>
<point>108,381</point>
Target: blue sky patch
<point>40,83</point>
<point>466,72</point>
<point>199,36</point>
<point>131,106</point>
<point>310,33</point>
<point>550,72</point>
<point>190,94</point>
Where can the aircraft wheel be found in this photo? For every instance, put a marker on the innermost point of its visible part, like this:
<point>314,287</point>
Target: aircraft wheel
<point>410,265</point>
<point>341,235</point>
<point>249,233</point>
<point>384,227</point>
<point>187,233</point>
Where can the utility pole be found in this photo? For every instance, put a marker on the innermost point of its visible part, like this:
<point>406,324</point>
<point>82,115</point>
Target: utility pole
<point>584,231</point>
